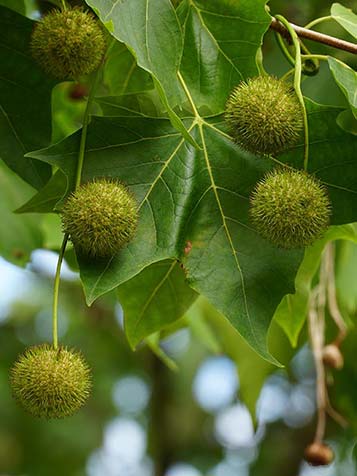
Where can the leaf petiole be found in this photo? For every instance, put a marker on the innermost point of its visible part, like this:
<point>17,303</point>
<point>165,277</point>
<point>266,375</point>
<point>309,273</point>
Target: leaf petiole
<point>297,83</point>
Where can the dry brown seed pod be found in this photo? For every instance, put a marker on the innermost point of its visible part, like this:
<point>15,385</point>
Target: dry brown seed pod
<point>332,356</point>
<point>319,454</point>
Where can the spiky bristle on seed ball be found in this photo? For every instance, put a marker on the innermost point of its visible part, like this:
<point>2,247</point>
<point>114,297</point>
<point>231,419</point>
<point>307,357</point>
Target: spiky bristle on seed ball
<point>264,115</point>
<point>50,383</point>
<point>100,217</point>
<point>68,44</point>
<point>290,208</point>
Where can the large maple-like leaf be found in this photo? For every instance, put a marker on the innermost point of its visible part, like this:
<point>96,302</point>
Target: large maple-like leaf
<point>194,207</point>
<point>194,202</point>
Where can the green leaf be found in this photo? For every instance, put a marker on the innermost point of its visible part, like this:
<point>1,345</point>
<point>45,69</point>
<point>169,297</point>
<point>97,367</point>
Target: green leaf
<point>154,299</point>
<point>345,17</point>
<point>221,40</point>
<point>346,79</point>
<point>19,235</point>
<point>346,284</point>
<point>151,30</point>
<point>25,100</point>
<point>332,160</point>
<point>121,73</point>
<point>347,121</point>
<point>46,199</point>
<point>146,104</point>
<point>16,5</point>
<point>291,313</point>
<point>188,199</point>
<point>156,42</point>
<point>194,207</point>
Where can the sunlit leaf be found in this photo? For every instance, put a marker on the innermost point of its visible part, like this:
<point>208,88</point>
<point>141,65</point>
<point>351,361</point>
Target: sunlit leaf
<point>345,17</point>
<point>154,299</point>
<point>346,78</point>
<point>221,40</point>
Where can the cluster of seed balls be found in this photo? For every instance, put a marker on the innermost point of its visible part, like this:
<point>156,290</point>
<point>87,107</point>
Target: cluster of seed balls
<point>100,218</point>
<point>289,207</point>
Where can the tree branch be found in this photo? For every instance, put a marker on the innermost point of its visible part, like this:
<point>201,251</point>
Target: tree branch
<point>314,36</point>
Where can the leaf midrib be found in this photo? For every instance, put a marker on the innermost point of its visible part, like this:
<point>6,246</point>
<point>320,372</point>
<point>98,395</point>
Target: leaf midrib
<point>152,296</point>
<point>226,229</point>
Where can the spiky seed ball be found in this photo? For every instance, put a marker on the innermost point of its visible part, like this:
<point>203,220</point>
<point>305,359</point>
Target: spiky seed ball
<point>319,454</point>
<point>332,357</point>
<point>100,217</point>
<point>264,115</point>
<point>290,208</point>
<point>68,44</point>
<point>50,383</point>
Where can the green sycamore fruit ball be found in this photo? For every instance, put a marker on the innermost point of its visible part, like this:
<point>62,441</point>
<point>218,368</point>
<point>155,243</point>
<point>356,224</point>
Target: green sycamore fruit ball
<point>68,44</point>
<point>50,383</point>
<point>290,208</point>
<point>100,217</point>
<point>264,115</point>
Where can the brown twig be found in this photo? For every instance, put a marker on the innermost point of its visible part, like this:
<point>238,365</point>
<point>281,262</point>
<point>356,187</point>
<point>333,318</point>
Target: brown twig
<point>324,293</point>
<point>314,36</point>
<point>331,295</point>
<point>317,337</point>
<point>334,414</point>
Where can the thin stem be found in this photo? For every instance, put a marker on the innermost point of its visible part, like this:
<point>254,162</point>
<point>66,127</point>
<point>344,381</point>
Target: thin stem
<point>284,49</point>
<point>307,62</point>
<point>318,21</point>
<point>331,295</point>
<point>259,62</point>
<point>288,74</point>
<point>317,336</point>
<point>297,84</point>
<point>334,414</point>
<point>56,292</point>
<point>318,57</point>
<point>86,117</point>
<point>80,162</point>
<point>276,25</point>
<point>291,60</point>
<point>64,6</point>
<point>322,294</point>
